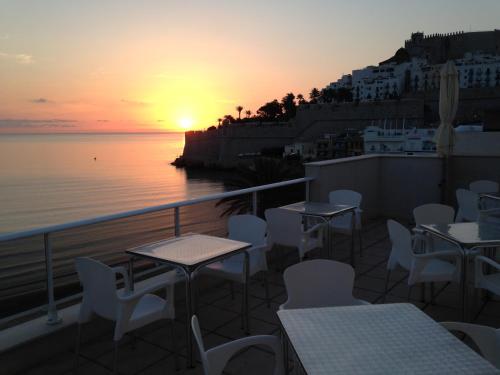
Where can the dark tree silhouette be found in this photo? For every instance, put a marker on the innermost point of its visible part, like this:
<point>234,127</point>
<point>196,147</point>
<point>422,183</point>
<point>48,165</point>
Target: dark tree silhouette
<point>219,120</point>
<point>314,95</point>
<point>248,113</point>
<point>288,106</point>
<point>263,171</point>
<point>301,99</point>
<point>270,111</point>
<point>239,109</point>
<point>228,119</point>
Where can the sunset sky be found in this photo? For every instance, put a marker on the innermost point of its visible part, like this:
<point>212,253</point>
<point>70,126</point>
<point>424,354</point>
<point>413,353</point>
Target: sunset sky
<point>103,65</point>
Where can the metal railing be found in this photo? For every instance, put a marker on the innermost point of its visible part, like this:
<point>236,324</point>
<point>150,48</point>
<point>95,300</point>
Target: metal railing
<point>52,313</point>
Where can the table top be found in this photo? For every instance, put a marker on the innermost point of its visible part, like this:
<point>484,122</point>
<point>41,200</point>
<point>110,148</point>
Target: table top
<point>377,339</point>
<point>471,234</point>
<point>190,250</point>
<point>319,208</point>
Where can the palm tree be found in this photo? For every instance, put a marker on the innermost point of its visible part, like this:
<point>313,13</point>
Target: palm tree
<point>239,109</point>
<point>248,113</point>
<point>219,120</point>
<point>263,171</point>
<point>301,99</point>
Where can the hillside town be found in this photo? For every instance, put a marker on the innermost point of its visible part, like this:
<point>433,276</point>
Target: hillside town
<point>391,107</point>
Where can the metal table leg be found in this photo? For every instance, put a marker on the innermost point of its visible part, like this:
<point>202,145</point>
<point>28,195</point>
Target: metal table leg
<point>465,261</point>
<point>131,272</point>
<point>353,256</point>
<point>189,315</point>
<point>246,271</point>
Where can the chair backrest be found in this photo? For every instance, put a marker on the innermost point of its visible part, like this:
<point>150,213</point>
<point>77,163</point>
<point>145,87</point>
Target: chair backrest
<point>401,252</point>
<point>319,283</point>
<point>434,213</point>
<point>484,186</point>
<point>468,205</point>
<point>284,227</point>
<point>349,197</point>
<point>247,228</point>
<point>199,340</point>
<point>486,338</point>
<point>99,287</point>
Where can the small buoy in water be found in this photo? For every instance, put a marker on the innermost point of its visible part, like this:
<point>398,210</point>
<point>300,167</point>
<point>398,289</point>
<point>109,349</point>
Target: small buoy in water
<point>95,159</point>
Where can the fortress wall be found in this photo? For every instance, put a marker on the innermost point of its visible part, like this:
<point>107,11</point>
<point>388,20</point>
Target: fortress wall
<point>438,48</point>
<point>317,119</point>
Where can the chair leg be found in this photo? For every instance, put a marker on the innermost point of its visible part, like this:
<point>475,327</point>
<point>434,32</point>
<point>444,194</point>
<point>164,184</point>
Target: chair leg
<point>360,237</point>
<point>77,347</point>
<point>387,277</point>
<point>266,288</point>
<point>432,293</point>
<point>231,289</point>
<point>422,296</point>
<point>115,358</point>
<point>410,288</point>
<point>174,345</point>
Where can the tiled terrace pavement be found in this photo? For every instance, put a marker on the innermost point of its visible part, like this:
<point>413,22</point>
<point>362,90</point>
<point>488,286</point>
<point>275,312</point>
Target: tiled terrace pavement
<point>151,353</point>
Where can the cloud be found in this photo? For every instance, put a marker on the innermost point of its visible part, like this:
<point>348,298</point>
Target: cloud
<point>137,103</point>
<point>8,123</point>
<point>40,101</point>
<point>19,58</point>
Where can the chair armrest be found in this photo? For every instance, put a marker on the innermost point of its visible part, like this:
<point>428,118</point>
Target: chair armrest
<point>314,228</point>
<point>120,270</point>
<point>453,254</point>
<point>137,294</point>
<point>482,259</point>
<point>220,355</point>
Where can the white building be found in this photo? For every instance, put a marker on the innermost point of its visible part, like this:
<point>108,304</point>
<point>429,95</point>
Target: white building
<point>392,140</point>
<point>390,80</point>
<point>345,82</point>
<point>303,150</point>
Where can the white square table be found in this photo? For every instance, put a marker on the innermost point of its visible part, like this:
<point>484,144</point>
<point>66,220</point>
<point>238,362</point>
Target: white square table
<point>376,339</point>
<point>189,253</point>
<point>326,212</point>
<point>468,237</point>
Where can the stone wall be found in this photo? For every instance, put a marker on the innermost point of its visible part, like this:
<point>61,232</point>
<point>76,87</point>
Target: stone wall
<point>223,145</point>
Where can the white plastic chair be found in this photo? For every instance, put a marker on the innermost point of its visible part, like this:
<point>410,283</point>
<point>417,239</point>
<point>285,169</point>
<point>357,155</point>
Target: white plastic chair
<point>484,186</point>
<point>128,309</point>
<point>468,206</point>
<point>215,360</point>
<point>487,339</point>
<point>246,228</point>
<point>343,224</point>
<point>490,282</point>
<point>285,228</point>
<point>319,283</point>
<point>432,213</point>
<point>422,268</point>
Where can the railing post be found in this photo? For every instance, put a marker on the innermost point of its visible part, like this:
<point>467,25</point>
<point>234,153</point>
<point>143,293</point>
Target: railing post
<point>177,223</point>
<point>52,317</point>
<point>254,203</point>
<point>307,190</point>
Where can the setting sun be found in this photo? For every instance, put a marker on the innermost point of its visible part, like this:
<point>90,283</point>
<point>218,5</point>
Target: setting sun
<point>186,122</point>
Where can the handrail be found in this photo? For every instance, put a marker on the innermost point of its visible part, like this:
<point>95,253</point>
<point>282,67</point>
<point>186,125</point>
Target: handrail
<point>52,314</point>
<point>141,211</point>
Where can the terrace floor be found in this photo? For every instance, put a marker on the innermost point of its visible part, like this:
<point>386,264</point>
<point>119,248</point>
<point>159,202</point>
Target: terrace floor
<point>151,350</point>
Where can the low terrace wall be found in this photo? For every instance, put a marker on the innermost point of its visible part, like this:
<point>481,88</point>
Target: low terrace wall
<point>393,185</point>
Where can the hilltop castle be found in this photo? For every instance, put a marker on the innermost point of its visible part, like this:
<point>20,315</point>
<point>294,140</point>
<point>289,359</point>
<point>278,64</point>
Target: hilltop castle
<point>437,48</point>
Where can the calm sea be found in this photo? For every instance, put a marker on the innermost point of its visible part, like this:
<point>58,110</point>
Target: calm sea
<point>52,179</point>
